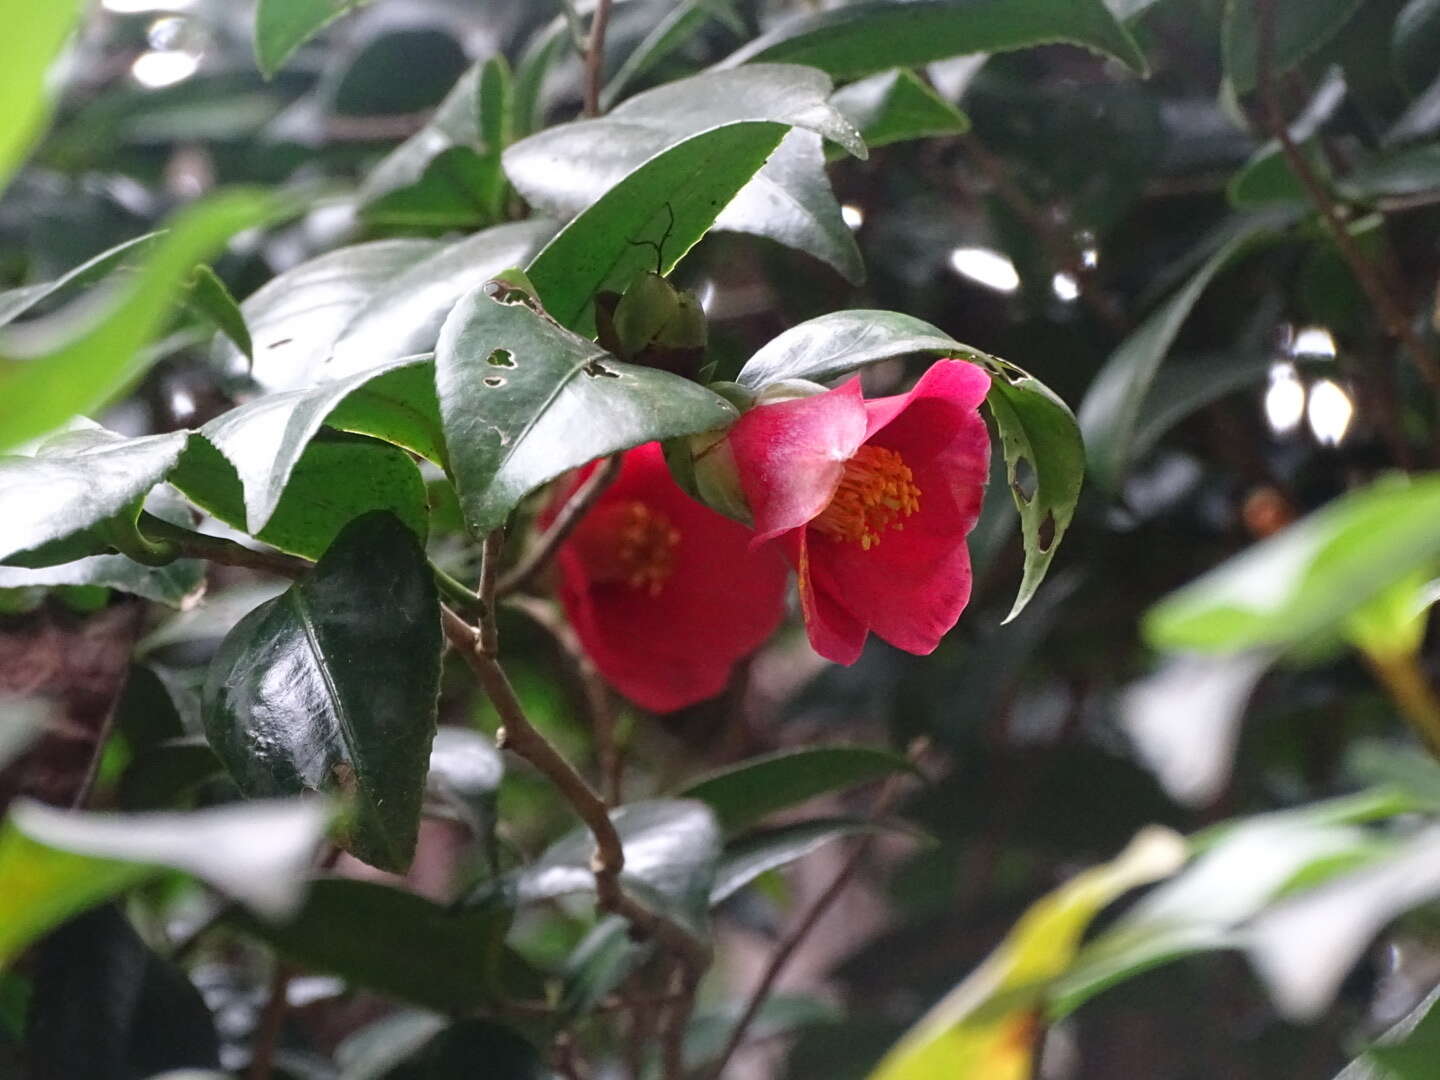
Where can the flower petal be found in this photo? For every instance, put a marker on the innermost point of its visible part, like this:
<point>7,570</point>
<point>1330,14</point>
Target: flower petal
<point>833,632</point>
<point>957,382</point>
<point>792,454</point>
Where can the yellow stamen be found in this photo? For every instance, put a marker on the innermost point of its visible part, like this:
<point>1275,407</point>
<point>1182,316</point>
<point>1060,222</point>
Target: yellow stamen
<point>630,542</point>
<point>876,493</point>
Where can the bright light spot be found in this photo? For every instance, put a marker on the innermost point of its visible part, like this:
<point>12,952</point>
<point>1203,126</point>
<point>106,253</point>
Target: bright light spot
<point>853,215</point>
<point>135,7</point>
<point>1090,257</point>
<point>1313,341</point>
<point>182,404</point>
<point>1065,287</point>
<point>156,69</point>
<point>165,33</point>
<point>988,268</point>
<point>1330,412</point>
<point>1285,399</point>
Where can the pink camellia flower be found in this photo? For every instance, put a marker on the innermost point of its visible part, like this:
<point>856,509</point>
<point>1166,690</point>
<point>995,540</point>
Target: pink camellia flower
<point>664,593</point>
<point>871,501</point>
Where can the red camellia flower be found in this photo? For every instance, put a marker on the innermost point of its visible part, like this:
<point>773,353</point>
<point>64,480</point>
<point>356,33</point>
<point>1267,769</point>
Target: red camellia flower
<point>664,593</point>
<point>871,501</point>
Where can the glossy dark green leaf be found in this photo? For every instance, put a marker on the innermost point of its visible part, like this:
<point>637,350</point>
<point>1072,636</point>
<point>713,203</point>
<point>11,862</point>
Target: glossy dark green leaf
<point>172,584</point>
<point>54,863</point>
<point>1306,580</point>
<point>76,481</point>
<point>1300,29</point>
<point>212,299</point>
<point>459,189</point>
<point>336,479</point>
<point>282,26</point>
<point>524,400</point>
<point>296,317</point>
<point>897,105</point>
<point>73,362</point>
<point>1267,176</point>
<point>566,168</point>
<point>604,958</point>
<point>677,27</point>
<point>107,1007</point>
<point>332,687</point>
<point>265,439</point>
<point>453,1053</point>
<point>746,859</point>
<point>403,315</point>
<point>1415,44</point>
<point>1185,386</point>
<point>15,302</point>
<point>1110,413</point>
<point>394,942</point>
<point>861,39</point>
<point>32,44</point>
<point>531,73</point>
<point>1412,171</point>
<point>370,1052</point>
<point>671,847</point>
<point>745,794</point>
<point>161,776</point>
<point>836,344</point>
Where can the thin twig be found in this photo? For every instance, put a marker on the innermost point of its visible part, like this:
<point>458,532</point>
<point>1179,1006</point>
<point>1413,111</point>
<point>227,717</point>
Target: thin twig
<point>521,737</point>
<point>1390,308</point>
<point>686,981</point>
<point>575,508</point>
<point>217,549</point>
<point>810,919</point>
<point>598,701</point>
<point>267,1033</point>
<point>595,57</point>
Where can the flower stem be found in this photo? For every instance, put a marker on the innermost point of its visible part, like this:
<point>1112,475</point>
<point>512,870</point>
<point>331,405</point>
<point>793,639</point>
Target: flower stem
<point>539,556</point>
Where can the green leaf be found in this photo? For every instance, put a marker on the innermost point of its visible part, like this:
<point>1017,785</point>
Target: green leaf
<point>1415,44</point>
<point>604,958</point>
<point>332,686</point>
<point>33,39</point>
<point>335,480</point>
<point>282,26</point>
<point>404,315</point>
<point>452,1054</point>
<point>265,439</point>
<point>531,73</point>
<point>1267,176</point>
<point>1407,1050</point>
<point>372,1051</point>
<point>524,400</point>
<point>15,302</point>
<point>75,482</point>
<point>459,189</point>
<point>1111,411</point>
<point>394,942</point>
<point>75,361</point>
<point>987,1025</point>
<point>1183,387</point>
<point>173,584</point>
<point>745,794</point>
<point>746,859</point>
<point>1044,455</point>
<point>1411,171</point>
<point>1308,579</point>
<point>824,348</point>
<point>787,200</point>
<point>161,775</point>
<point>1045,464</point>
<point>212,298</point>
<point>54,864</point>
<point>1300,29</point>
<point>671,847</point>
<point>864,38</point>
<point>897,105</point>
<point>678,26</point>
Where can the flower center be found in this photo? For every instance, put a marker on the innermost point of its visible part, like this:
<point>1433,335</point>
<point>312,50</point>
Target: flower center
<point>876,494</point>
<point>629,542</point>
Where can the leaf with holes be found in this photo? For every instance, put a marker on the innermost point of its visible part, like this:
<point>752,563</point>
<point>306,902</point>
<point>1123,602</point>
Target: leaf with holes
<point>524,400</point>
<point>861,39</point>
<point>332,687</point>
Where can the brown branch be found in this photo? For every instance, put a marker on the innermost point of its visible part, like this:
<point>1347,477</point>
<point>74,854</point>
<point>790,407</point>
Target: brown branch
<point>267,1033</point>
<point>575,508</point>
<point>595,57</point>
<point>217,549</point>
<point>489,641</point>
<point>521,737</point>
<point>672,1039</point>
<point>810,919</point>
<point>1390,309</point>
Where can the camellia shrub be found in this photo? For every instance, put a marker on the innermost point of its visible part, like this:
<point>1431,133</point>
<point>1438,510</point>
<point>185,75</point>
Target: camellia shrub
<point>400,670</point>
